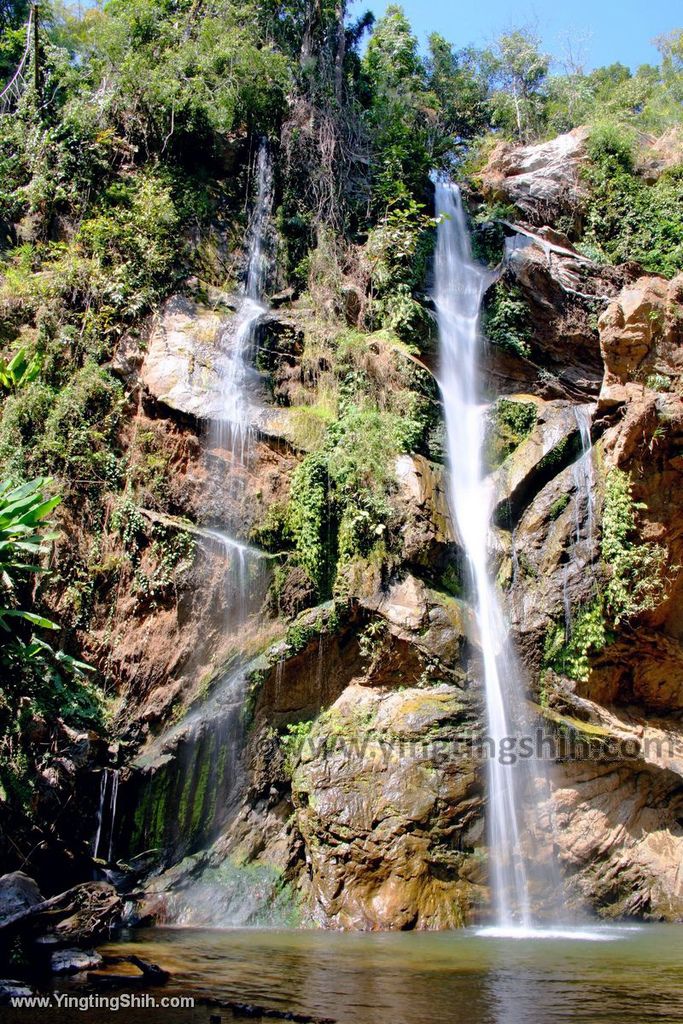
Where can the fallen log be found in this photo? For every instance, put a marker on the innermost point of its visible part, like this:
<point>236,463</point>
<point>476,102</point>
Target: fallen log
<point>150,974</point>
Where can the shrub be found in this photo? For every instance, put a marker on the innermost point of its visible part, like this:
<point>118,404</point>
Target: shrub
<point>23,420</point>
<point>292,743</point>
<point>570,655</point>
<point>36,679</point>
<point>80,430</point>
<point>627,218</point>
<point>558,506</point>
<point>307,516</point>
<point>636,573</point>
<point>508,424</point>
<point>614,142</point>
<point>506,320</point>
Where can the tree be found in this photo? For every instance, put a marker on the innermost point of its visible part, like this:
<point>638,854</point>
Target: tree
<point>401,113</point>
<point>392,61</point>
<point>459,82</point>
<point>520,71</point>
<point>13,19</point>
<point>670,47</point>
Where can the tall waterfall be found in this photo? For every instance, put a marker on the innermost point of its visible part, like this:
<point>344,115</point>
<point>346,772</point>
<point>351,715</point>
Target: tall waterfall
<point>459,286</point>
<point>238,376</point>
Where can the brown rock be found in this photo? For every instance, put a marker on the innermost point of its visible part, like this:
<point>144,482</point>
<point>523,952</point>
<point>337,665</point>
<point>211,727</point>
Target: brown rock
<point>390,821</point>
<point>640,336</point>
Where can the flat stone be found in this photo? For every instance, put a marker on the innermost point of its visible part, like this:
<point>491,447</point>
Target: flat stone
<point>72,961</point>
<point>11,989</point>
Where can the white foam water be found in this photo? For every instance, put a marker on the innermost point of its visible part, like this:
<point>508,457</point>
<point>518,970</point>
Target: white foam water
<point>238,377</point>
<point>513,789</point>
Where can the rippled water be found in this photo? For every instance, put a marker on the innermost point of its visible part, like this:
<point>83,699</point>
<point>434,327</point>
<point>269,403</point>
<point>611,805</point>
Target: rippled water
<point>612,975</point>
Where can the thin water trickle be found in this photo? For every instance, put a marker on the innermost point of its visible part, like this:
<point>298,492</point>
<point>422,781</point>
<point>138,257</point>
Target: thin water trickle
<point>320,663</point>
<point>246,577</point>
<point>100,812</point>
<point>584,473</point>
<point>583,481</point>
<point>279,678</point>
<point>106,814</point>
<point>459,287</point>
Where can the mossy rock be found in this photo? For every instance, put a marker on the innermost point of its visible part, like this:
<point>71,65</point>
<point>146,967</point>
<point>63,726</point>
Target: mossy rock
<point>509,423</point>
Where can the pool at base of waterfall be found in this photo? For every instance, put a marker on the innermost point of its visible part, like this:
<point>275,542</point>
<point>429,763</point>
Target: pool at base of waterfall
<point>594,974</point>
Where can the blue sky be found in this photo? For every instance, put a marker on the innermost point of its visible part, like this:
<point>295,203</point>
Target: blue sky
<point>604,30</point>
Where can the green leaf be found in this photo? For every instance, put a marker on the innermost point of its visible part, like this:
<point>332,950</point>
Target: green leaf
<point>32,617</point>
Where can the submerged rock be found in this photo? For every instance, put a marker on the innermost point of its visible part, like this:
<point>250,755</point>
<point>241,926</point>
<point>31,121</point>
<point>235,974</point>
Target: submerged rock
<point>73,961</point>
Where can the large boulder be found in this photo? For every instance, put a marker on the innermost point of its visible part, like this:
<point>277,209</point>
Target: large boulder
<point>389,805</point>
<point>181,368</point>
<point>429,533</point>
<point>541,180</point>
<point>193,357</point>
<point>18,893</point>
<point>547,449</point>
<point>641,339</point>
<point>620,839</point>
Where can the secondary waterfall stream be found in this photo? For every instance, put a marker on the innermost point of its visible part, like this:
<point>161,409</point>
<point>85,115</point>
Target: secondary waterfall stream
<point>459,287</point>
<point>189,778</point>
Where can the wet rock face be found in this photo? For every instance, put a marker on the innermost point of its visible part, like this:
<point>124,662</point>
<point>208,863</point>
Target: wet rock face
<point>188,356</point>
<point>429,534</point>
<point>377,821</point>
<point>620,839</point>
<point>619,832</point>
<point>389,815</point>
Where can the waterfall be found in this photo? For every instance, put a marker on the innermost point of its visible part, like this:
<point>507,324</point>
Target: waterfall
<point>247,577</point>
<point>583,482</point>
<point>459,287</point>
<point>584,474</point>
<point>237,339</point>
<point>106,813</point>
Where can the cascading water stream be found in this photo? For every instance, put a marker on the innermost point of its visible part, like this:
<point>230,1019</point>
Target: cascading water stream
<point>106,814</point>
<point>246,578</point>
<point>195,766</point>
<point>238,375</point>
<point>583,481</point>
<point>584,473</point>
<point>459,287</point>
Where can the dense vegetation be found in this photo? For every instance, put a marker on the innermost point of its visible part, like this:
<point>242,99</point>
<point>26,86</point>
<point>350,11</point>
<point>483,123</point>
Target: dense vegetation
<point>126,140</point>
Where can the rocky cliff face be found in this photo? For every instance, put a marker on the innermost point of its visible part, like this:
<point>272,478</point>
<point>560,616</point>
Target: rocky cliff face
<point>356,791</point>
<point>620,831</point>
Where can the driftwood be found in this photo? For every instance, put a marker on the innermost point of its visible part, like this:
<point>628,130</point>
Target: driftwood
<point>75,917</point>
<point>150,974</point>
